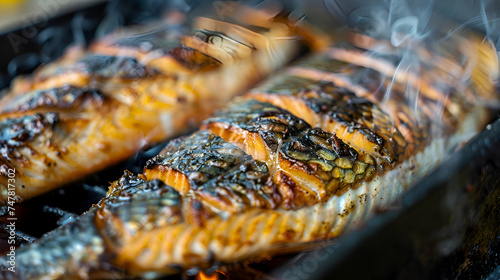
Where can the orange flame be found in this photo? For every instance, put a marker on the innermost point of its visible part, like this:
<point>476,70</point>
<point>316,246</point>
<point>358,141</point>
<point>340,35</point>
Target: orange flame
<point>218,275</point>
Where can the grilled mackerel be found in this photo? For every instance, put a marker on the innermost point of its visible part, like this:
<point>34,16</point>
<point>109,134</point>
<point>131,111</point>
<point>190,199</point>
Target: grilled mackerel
<point>303,157</point>
<point>94,108</point>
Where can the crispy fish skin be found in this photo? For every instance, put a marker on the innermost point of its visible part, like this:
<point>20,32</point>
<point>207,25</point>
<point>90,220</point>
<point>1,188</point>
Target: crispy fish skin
<point>356,120</point>
<point>109,105</point>
<point>257,178</point>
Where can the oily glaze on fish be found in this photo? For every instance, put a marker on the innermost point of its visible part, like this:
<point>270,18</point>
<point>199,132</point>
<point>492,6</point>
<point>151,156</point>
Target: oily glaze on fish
<point>105,104</point>
<point>303,157</point>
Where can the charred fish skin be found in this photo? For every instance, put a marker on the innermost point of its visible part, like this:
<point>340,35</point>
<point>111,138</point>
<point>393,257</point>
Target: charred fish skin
<point>269,121</point>
<point>160,37</point>
<point>240,185</point>
<point>96,66</point>
<point>202,158</point>
<point>16,136</point>
<point>221,176</point>
<point>73,249</point>
<point>307,165</point>
<point>114,66</point>
<point>245,187</point>
<point>336,109</point>
<point>17,133</point>
<point>68,97</point>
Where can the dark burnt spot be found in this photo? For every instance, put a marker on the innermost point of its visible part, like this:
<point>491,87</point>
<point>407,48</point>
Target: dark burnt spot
<point>63,97</point>
<point>17,130</point>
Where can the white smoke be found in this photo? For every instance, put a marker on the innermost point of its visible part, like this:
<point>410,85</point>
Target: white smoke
<point>409,29</point>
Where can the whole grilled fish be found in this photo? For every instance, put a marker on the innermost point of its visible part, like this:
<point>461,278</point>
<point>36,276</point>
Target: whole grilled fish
<point>303,157</point>
<point>92,109</point>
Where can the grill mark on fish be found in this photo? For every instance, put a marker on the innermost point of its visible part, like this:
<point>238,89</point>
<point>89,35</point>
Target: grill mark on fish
<point>15,134</point>
<point>371,85</point>
<point>336,109</point>
<point>433,84</point>
<point>94,69</point>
